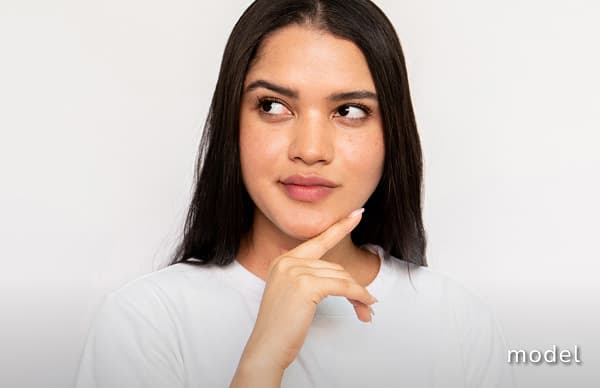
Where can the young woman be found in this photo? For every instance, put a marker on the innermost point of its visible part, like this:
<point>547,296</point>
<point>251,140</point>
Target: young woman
<point>306,220</point>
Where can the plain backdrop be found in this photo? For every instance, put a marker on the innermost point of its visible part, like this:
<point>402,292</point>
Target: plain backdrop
<point>101,109</point>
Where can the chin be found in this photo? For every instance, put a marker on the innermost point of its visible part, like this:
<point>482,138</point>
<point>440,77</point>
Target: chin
<point>304,231</point>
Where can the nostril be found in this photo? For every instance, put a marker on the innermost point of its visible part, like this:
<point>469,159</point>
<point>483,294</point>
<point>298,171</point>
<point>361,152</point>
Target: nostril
<point>311,151</point>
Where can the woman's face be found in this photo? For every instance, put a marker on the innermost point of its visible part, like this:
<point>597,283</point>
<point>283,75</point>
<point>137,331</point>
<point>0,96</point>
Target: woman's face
<point>309,110</point>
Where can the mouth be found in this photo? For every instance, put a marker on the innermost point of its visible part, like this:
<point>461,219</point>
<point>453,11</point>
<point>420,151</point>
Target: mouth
<point>306,193</point>
<point>307,188</point>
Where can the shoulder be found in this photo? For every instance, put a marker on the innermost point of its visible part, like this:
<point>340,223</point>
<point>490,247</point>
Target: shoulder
<point>175,278</point>
<point>428,284</point>
<point>134,340</point>
<point>456,315</point>
<point>442,298</point>
<point>426,289</point>
<point>160,294</point>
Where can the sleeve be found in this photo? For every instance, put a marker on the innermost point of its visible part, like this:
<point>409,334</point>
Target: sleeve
<point>484,350</point>
<point>132,343</point>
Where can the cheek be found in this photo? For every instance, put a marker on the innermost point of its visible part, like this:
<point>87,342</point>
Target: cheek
<point>260,150</point>
<point>365,157</point>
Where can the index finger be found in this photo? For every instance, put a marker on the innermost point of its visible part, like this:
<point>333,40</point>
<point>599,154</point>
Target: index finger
<point>317,246</point>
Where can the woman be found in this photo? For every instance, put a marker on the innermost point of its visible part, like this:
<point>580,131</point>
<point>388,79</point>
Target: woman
<point>278,274</point>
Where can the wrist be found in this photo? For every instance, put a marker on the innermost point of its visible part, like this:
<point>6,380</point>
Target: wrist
<point>254,372</point>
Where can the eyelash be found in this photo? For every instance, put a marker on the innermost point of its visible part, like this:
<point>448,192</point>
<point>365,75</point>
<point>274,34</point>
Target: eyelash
<point>364,108</point>
<point>368,111</point>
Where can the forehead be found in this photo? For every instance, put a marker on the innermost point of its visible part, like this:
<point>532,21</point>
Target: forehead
<point>310,60</point>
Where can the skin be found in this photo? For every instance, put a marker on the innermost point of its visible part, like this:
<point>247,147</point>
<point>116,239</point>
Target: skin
<point>301,249</point>
<point>307,135</point>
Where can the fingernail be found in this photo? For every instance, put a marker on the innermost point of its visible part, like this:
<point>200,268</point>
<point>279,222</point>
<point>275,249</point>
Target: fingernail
<point>357,212</point>
<point>372,311</point>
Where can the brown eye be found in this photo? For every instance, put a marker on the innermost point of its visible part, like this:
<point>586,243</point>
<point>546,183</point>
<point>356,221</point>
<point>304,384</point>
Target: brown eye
<point>272,107</point>
<point>266,106</point>
<point>352,112</point>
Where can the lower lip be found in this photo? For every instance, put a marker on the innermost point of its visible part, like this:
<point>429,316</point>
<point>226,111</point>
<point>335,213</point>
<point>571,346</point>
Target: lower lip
<point>307,193</point>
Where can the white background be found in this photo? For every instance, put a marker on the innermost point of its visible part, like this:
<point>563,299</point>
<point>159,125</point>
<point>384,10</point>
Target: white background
<point>101,109</point>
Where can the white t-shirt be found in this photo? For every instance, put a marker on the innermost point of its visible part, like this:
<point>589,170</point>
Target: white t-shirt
<point>186,326</point>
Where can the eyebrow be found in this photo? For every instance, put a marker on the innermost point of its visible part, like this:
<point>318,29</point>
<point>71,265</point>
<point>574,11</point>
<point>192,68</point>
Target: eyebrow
<point>291,93</point>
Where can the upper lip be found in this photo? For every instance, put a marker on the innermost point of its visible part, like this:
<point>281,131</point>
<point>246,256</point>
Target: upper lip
<point>310,180</point>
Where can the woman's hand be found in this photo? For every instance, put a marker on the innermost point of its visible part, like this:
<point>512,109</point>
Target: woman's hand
<point>296,283</point>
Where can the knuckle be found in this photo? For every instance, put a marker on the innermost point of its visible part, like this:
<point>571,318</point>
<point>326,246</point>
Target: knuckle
<point>275,265</point>
<point>346,284</point>
<point>304,282</point>
<point>280,264</point>
<point>294,270</point>
<point>334,266</point>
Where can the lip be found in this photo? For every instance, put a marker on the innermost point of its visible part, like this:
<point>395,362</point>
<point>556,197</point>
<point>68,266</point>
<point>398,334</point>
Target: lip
<point>307,188</point>
<point>311,180</point>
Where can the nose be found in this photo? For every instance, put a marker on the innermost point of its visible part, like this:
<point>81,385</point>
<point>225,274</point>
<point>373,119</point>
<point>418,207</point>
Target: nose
<point>312,140</point>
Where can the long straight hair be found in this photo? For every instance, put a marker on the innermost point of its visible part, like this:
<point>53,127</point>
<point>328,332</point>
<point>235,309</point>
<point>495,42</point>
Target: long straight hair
<point>221,211</point>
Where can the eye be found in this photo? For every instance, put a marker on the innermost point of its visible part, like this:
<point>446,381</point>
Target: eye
<point>353,112</point>
<point>272,107</point>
